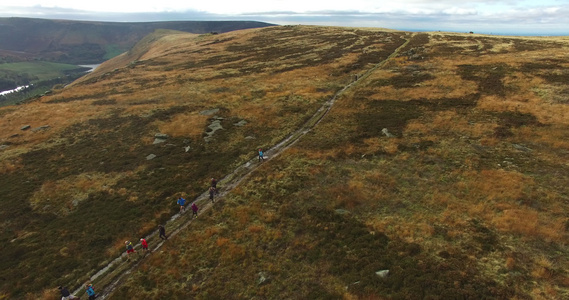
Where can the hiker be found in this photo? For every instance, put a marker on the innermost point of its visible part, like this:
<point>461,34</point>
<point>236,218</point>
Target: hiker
<point>162,231</point>
<point>211,193</point>
<point>195,209</point>
<point>129,249</point>
<point>65,294</point>
<point>214,185</point>
<point>261,155</point>
<point>144,245</point>
<point>182,202</point>
<point>90,291</point>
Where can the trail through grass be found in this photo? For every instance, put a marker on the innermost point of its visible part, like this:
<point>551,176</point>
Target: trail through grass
<point>111,276</point>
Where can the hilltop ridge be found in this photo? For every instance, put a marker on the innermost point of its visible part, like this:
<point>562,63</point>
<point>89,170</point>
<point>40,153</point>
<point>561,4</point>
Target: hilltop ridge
<point>84,42</point>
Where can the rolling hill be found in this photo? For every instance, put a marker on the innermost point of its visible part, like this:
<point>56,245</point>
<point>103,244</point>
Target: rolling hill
<point>419,166</point>
<point>84,42</point>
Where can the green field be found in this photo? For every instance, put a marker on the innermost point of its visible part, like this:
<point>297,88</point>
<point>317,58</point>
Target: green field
<point>112,51</point>
<point>38,70</point>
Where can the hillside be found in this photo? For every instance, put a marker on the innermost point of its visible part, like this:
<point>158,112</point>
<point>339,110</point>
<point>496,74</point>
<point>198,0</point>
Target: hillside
<point>445,163</point>
<point>84,42</point>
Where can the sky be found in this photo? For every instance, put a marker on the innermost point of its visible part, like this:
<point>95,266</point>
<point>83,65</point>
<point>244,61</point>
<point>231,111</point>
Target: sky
<point>500,17</point>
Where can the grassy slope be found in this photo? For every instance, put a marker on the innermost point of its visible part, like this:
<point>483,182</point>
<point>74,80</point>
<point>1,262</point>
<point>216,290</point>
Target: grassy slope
<point>73,193</point>
<point>469,200</point>
<point>83,42</point>
<point>41,69</point>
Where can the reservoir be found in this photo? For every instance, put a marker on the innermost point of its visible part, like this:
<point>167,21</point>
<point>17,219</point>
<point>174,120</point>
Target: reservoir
<point>14,90</point>
<point>93,67</point>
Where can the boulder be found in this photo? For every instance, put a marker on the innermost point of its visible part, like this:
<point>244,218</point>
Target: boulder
<point>382,273</point>
<point>41,128</point>
<point>209,112</point>
<point>150,157</point>
<point>522,148</point>
<point>162,136</point>
<point>212,128</point>
<point>26,127</point>
<point>387,133</point>
<point>263,278</point>
<point>240,123</point>
<point>342,211</point>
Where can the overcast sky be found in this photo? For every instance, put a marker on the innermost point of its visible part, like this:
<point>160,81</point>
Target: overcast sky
<point>524,17</point>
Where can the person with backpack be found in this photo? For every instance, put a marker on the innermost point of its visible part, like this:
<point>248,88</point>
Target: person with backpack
<point>129,249</point>
<point>182,202</point>
<point>65,294</point>
<point>195,210</point>
<point>211,193</point>
<point>162,232</point>
<point>144,245</point>
<point>214,185</point>
<point>90,291</point>
<point>261,157</point>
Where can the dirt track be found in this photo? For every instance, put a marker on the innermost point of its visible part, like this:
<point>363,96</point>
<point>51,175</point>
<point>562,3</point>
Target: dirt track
<point>115,272</point>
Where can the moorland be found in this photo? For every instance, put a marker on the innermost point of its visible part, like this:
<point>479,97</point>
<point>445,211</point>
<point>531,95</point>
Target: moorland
<point>446,163</point>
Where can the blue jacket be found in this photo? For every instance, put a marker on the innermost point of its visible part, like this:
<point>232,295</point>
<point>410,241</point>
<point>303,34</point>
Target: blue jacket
<point>90,291</point>
<point>182,201</point>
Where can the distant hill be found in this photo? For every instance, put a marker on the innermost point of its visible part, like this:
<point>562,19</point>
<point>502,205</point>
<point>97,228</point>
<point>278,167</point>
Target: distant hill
<point>82,42</point>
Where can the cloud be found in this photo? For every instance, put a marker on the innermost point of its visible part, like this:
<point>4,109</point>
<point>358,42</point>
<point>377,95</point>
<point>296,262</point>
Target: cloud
<point>483,16</point>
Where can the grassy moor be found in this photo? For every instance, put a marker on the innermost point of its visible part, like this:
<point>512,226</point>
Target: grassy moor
<point>440,171</point>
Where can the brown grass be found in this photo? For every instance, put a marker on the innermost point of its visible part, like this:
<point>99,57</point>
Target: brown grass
<point>63,195</point>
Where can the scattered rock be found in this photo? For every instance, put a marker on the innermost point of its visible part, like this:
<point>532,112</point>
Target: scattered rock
<point>263,278</point>
<point>342,211</point>
<point>382,273</point>
<point>249,137</point>
<point>387,133</point>
<point>41,128</point>
<point>522,148</point>
<point>209,112</point>
<point>240,123</point>
<point>187,148</point>
<point>2,147</point>
<point>161,136</point>
<point>15,135</point>
<point>26,127</point>
<point>213,127</point>
<point>150,157</point>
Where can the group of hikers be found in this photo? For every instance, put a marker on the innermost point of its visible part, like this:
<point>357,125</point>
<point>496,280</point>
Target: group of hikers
<point>143,243</point>
<point>162,231</point>
<point>65,294</point>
